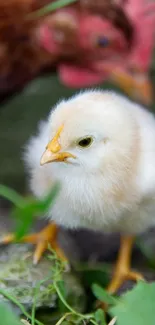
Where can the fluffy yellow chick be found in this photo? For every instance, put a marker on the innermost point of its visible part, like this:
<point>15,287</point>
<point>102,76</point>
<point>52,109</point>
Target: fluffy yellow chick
<point>100,146</point>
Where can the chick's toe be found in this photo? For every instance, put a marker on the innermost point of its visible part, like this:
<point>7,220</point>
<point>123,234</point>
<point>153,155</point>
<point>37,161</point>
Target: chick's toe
<point>47,236</point>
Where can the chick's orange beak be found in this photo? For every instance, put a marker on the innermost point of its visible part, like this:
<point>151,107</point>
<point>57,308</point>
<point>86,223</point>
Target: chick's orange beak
<point>48,157</point>
<point>52,152</point>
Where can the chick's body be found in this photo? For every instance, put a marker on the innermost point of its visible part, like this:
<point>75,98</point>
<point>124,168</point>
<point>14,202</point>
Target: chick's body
<point>109,185</point>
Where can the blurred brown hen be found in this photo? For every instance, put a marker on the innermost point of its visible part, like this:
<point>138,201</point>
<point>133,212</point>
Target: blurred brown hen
<point>20,55</point>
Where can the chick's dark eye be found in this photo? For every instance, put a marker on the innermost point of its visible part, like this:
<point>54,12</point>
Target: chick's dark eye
<point>85,142</point>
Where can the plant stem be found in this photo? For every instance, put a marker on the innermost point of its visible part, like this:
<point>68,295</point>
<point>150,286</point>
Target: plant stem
<point>63,318</point>
<point>87,316</point>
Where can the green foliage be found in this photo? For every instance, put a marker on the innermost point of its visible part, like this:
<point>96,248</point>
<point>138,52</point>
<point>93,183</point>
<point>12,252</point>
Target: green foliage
<point>135,307</point>
<point>100,317</point>
<point>93,318</point>
<point>70,316</point>
<point>19,305</point>
<point>8,316</point>
<point>26,209</point>
<point>103,295</point>
<point>55,276</point>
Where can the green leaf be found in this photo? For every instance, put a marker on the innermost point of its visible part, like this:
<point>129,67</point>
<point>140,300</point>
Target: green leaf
<point>136,307</point>
<point>11,195</point>
<point>51,7</point>
<point>25,214</point>
<point>24,219</point>
<point>7,316</point>
<point>26,209</point>
<point>103,295</point>
<point>100,317</point>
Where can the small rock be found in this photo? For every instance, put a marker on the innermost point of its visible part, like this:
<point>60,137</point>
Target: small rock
<point>20,278</point>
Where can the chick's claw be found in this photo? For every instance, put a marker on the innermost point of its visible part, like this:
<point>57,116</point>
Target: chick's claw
<point>119,278</point>
<point>123,271</point>
<point>42,240</point>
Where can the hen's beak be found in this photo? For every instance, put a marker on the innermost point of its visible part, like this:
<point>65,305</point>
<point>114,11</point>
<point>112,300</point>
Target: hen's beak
<point>49,156</point>
<point>137,87</point>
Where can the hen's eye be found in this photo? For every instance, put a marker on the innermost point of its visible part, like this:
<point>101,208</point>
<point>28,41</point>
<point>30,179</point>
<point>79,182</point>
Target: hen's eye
<point>85,142</point>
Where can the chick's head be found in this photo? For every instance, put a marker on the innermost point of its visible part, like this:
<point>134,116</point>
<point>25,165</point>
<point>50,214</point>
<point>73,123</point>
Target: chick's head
<point>90,132</point>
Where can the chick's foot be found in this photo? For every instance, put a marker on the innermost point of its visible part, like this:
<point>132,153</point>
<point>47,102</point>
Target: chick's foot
<point>120,276</point>
<point>123,270</point>
<point>42,239</point>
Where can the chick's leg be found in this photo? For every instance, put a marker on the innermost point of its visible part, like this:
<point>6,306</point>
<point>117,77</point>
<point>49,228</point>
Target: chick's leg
<point>41,239</point>
<point>123,266</point>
